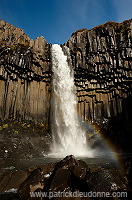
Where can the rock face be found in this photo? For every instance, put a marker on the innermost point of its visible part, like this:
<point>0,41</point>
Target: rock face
<point>102,63</point>
<point>24,75</point>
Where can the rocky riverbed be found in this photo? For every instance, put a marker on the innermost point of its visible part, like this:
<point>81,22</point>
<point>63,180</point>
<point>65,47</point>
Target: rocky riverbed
<point>67,179</point>
<point>24,168</point>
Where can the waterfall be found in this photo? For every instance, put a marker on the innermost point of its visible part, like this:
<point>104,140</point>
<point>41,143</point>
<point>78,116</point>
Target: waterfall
<point>67,135</point>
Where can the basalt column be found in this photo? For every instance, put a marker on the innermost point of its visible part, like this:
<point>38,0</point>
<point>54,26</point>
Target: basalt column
<point>25,73</point>
<point>102,61</point>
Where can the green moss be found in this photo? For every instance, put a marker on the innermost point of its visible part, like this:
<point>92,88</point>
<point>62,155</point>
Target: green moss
<point>13,127</point>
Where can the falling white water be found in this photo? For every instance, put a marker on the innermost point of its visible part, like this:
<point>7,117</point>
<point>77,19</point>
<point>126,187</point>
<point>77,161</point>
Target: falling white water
<point>68,137</point>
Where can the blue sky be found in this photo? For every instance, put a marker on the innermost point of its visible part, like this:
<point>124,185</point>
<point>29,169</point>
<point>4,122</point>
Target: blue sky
<point>56,20</point>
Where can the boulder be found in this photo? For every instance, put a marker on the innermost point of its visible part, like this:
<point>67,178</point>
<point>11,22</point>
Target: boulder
<point>67,162</point>
<point>33,181</point>
<point>106,180</point>
<point>12,179</point>
<point>67,173</point>
<point>61,180</point>
<point>79,172</point>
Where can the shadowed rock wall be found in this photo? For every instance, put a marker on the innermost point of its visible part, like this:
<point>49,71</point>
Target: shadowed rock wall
<point>25,73</point>
<point>102,61</point>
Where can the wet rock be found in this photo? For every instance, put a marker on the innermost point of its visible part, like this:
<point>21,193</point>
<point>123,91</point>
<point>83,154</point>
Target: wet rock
<point>67,162</point>
<point>12,179</point>
<point>79,172</point>
<point>33,181</point>
<point>47,169</point>
<point>83,165</point>
<point>68,170</point>
<point>106,180</point>
<point>80,169</point>
<point>61,180</point>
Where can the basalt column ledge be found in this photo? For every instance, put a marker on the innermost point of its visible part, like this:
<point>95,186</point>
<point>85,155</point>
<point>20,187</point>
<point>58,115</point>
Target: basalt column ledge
<point>25,75</point>
<point>102,62</point>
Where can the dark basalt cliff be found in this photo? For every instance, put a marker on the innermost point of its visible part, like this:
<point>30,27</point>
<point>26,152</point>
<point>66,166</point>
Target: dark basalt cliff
<point>102,63</point>
<point>25,73</point>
